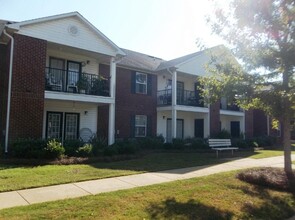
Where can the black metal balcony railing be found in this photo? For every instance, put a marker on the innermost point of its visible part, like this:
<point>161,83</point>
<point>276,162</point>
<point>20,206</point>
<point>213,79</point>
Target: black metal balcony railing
<point>76,82</point>
<point>230,107</point>
<point>184,97</point>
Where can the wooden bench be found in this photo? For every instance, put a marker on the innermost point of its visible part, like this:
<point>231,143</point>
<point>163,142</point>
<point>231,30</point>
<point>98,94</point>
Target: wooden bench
<point>221,145</point>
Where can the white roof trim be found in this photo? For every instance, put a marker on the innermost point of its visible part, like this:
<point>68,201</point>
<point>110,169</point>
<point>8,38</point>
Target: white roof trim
<point>18,25</point>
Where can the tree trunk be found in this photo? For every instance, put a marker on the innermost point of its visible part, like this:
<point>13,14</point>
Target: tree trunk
<point>287,145</point>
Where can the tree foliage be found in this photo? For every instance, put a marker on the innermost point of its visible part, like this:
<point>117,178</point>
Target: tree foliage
<point>262,33</point>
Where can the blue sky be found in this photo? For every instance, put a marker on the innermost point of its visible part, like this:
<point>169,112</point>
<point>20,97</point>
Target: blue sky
<point>163,28</point>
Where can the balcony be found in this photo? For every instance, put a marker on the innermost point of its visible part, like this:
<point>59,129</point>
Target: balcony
<point>230,107</point>
<point>184,97</point>
<point>60,80</point>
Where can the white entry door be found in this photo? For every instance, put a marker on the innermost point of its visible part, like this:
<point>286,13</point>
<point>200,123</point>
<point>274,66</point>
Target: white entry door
<point>179,129</point>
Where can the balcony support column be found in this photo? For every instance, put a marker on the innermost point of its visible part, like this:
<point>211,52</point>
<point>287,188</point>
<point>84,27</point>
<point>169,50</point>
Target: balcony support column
<point>111,132</point>
<point>174,103</point>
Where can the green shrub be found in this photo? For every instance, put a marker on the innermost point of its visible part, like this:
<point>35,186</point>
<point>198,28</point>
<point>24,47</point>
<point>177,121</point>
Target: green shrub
<point>85,151</point>
<point>54,149</point>
<point>223,134</point>
<point>178,143</point>
<point>98,145</point>
<point>198,143</point>
<point>72,146</point>
<point>153,142</point>
<point>28,148</point>
<point>168,146</point>
<point>111,150</point>
<point>240,143</point>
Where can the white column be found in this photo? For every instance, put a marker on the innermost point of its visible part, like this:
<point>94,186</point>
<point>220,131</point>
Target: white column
<point>174,103</point>
<point>111,137</point>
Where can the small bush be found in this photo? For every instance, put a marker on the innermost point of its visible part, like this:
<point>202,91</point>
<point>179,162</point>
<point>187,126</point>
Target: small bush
<point>98,145</point>
<point>168,146</point>
<point>72,146</point>
<point>197,143</point>
<point>85,151</point>
<point>223,134</point>
<point>178,143</point>
<point>111,150</point>
<point>240,143</point>
<point>28,148</point>
<point>151,142</point>
<point>54,149</point>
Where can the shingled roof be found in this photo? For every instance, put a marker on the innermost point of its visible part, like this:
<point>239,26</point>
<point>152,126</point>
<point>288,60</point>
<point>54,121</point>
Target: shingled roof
<point>140,61</point>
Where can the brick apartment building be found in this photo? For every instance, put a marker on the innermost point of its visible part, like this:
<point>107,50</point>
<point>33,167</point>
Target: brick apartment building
<point>60,77</point>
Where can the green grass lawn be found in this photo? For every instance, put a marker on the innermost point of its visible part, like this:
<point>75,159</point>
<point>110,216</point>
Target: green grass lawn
<point>22,177</point>
<point>219,196</point>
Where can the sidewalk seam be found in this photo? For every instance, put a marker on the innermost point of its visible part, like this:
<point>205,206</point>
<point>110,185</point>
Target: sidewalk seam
<point>75,184</point>
<point>18,192</point>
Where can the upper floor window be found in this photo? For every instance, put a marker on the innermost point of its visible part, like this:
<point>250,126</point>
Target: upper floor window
<point>141,83</point>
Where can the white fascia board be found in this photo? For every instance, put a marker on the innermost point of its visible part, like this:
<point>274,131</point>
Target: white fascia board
<point>78,97</point>
<point>232,113</point>
<point>17,26</point>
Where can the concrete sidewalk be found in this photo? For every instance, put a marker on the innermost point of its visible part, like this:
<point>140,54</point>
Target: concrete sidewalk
<point>93,187</point>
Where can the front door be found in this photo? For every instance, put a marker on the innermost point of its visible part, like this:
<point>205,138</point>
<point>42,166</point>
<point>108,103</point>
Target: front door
<point>179,129</point>
<point>54,125</point>
<point>74,69</point>
<point>199,128</point>
<point>71,126</point>
<point>235,129</point>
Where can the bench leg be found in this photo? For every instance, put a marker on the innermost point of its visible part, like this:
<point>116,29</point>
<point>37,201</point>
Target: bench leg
<point>232,152</point>
<point>217,154</point>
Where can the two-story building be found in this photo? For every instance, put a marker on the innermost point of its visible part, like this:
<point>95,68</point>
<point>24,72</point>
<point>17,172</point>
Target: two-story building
<point>60,77</point>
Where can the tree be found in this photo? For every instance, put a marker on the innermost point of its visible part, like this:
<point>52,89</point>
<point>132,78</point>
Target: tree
<point>262,33</point>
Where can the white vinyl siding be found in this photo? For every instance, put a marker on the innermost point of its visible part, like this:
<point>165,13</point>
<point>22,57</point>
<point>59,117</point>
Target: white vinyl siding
<point>88,120</point>
<point>56,31</point>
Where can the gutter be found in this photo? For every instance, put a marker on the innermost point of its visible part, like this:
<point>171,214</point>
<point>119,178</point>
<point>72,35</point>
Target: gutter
<point>9,90</point>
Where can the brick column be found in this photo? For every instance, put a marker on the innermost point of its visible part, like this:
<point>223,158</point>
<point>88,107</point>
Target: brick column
<point>27,92</point>
<point>249,123</point>
<point>214,118</point>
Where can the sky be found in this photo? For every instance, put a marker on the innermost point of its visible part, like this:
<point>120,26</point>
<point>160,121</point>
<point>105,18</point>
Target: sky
<point>162,28</point>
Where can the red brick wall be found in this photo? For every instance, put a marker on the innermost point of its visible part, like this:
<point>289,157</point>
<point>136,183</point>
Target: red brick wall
<point>28,81</point>
<point>128,104</point>
<point>249,124</point>
<point>214,119</point>
<point>260,125</point>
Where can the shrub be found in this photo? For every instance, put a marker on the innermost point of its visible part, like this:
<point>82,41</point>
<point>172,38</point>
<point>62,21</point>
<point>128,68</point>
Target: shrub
<point>155,142</point>
<point>223,134</point>
<point>54,149</point>
<point>167,146</point>
<point>98,145</point>
<point>178,143</point>
<point>111,150</point>
<point>85,151</point>
<point>199,143</point>
<point>72,146</point>
<point>28,148</point>
<point>240,143</point>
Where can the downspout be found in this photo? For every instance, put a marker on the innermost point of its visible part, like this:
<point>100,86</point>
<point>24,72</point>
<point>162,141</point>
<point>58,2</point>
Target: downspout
<point>9,90</point>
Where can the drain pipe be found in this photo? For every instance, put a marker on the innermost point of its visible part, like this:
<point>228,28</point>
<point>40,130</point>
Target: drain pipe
<point>9,90</point>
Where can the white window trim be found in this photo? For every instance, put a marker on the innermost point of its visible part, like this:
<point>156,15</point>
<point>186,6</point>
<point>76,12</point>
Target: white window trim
<point>141,126</point>
<point>146,84</point>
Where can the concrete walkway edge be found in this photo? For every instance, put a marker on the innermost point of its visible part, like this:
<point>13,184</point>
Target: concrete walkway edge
<point>94,187</point>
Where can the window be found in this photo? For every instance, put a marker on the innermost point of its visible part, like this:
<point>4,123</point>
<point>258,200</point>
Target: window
<point>140,125</point>
<point>63,126</point>
<point>141,83</point>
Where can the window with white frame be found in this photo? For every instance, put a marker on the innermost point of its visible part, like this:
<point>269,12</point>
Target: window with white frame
<point>141,83</point>
<point>140,125</point>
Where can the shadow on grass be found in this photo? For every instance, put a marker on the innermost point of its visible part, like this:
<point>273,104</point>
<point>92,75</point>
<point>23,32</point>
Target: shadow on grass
<point>271,207</point>
<point>192,209</point>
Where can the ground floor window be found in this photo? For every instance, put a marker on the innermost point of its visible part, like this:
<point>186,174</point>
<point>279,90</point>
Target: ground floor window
<point>140,125</point>
<point>63,126</point>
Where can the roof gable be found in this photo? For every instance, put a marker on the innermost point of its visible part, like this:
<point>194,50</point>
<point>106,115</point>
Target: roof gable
<point>70,29</point>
